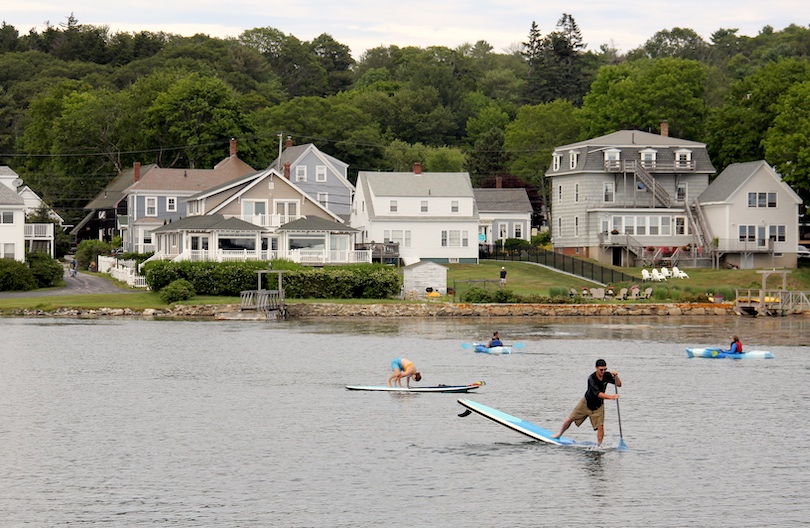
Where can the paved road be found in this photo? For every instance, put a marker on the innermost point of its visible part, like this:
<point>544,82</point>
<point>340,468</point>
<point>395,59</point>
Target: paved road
<point>83,283</point>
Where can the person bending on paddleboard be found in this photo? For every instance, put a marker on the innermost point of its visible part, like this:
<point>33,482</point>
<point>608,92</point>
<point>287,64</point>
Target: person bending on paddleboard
<point>495,341</point>
<point>591,405</point>
<point>735,347</point>
<point>403,368</point>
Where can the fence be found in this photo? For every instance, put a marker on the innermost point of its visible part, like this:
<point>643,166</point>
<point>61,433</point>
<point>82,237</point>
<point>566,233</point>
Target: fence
<point>122,270</point>
<point>574,266</point>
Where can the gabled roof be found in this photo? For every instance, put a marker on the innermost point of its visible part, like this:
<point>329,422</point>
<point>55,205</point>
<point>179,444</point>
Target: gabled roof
<point>512,200</point>
<point>294,153</point>
<point>190,180</point>
<point>109,197</point>
<point>208,223</point>
<point>735,176</point>
<point>409,184</point>
<point>9,197</point>
<point>315,223</point>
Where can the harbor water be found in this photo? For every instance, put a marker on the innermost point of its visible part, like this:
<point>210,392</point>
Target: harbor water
<point>130,422</point>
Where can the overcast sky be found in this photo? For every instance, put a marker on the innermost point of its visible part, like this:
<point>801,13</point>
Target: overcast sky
<point>623,24</point>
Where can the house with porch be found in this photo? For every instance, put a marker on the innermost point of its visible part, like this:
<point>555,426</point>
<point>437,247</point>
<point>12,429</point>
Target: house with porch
<point>503,213</point>
<point>16,201</point>
<point>262,216</point>
<point>630,199</point>
<point>752,217</point>
<point>321,176</point>
<point>430,215</point>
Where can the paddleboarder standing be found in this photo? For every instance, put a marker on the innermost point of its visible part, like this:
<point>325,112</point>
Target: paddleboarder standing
<point>591,405</point>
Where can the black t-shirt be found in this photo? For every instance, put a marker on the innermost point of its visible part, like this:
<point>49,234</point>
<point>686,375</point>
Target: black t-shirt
<point>595,387</point>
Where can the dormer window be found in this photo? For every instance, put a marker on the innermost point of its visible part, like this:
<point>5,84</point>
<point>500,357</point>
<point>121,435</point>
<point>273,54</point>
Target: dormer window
<point>613,159</point>
<point>573,159</point>
<point>556,161</point>
<point>683,159</point>
<point>648,158</point>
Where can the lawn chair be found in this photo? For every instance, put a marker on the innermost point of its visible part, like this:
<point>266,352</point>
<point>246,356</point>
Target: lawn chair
<point>648,293</point>
<point>645,275</point>
<point>678,273</point>
<point>599,293</point>
<point>656,276</point>
<point>666,273</point>
<point>574,292</point>
<point>634,294</point>
<point>622,294</point>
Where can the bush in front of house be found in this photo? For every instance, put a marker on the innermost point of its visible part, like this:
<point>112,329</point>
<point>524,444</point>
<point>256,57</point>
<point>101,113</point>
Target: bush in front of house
<point>16,276</point>
<point>47,271</point>
<point>207,278</point>
<point>89,250</point>
<point>179,290</point>
<point>358,281</point>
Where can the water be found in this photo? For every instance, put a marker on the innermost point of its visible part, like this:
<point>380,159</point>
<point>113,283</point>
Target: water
<point>186,423</point>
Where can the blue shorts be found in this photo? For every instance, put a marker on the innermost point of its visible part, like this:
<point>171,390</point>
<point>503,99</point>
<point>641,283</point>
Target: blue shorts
<point>397,364</point>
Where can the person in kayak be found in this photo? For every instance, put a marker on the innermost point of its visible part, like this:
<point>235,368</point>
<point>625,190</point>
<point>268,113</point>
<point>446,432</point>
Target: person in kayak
<point>735,347</point>
<point>495,341</point>
<point>591,405</point>
<point>403,368</point>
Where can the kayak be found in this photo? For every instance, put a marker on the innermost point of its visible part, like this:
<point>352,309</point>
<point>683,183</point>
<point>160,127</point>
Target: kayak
<point>482,348</point>
<point>718,353</point>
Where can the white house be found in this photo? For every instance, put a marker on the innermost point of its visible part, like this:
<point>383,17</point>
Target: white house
<point>431,215</point>
<point>503,213</point>
<point>12,224</point>
<point>753,216</point>
<point>16,201</point>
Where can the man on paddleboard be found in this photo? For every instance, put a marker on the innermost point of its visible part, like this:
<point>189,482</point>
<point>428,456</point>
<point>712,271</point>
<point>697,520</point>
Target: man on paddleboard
<point>591,405</point>
<point>403,368</point>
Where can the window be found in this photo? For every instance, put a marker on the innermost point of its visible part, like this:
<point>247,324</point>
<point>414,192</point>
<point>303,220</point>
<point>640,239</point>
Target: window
<point>641,225</point>
<point>151,206</point>
<point>683,159</point>
<point>680,225</point>
<point>777,233</point>
<point>763,199</point>
<point>7,217</point>
<point>612,159</point>
<point>556,161</point>
<point>455,238</point>
<point>518,230</point>
<point>392,206</point>
<point>171,204</point>
<point>454,206</point>
<point>424,206</point>
<point>648,158</point>
<point>654,221</point>
<point>8,251</point>
<point>628,225</point>
<point>559,227</point>
<point>608,194</point>
<point>403,238</point>
<point>323,199</point>
<point>573,159</point>
<point>576,226</point>
<point>320,173</point>
<point>503,231</point>
<point>617,224</point>
<point>559,194</point>
<point>576,193</point>
<point>301,173</point>
<point>680,193</point>
<point>666,225</point>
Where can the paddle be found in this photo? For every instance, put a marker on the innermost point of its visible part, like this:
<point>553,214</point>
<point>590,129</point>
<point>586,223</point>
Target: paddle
<point>622,445</point>
<point>516,345</point>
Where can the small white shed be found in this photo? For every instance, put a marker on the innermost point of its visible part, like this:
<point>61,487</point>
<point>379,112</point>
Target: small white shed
<point>418,277</point>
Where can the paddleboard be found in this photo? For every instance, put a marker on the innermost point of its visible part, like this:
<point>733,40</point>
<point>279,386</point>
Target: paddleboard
<point>718,353</point>
<point>517,424</point>
<point>438,388</point>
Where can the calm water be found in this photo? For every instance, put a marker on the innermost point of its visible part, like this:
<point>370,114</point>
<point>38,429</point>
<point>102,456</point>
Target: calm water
<point>182,423</point>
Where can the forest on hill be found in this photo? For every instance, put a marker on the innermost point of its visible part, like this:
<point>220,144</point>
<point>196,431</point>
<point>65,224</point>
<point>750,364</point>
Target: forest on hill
<point>78,103</point>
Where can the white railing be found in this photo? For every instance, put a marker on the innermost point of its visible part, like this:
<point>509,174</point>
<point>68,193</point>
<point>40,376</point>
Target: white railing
<point>122,270</point>
<point>38,231</point>
<point>266,220</point>
<point>301,256</point>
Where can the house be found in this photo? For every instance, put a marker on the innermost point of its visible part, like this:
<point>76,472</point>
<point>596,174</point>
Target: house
<point>141,198</point>
<point>276,219</point>
<point>320,175</point>
<point>630,198</point>
<point>431,215</point>
<point>753,216</point>
<point>503,213</point>
<point>16,201</point>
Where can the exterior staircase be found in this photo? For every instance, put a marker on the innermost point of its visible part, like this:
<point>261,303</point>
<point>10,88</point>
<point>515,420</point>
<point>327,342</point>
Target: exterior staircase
<point>647,179</point>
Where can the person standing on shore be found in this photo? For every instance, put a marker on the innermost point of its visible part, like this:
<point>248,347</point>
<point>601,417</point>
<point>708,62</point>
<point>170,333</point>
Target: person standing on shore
<point>503,276</point>
<point>591,405</point>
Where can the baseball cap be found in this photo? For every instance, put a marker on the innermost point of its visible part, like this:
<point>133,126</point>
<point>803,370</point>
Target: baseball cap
<point>601,363</point>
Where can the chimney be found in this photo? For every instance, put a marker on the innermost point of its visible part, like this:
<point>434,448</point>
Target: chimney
<point>287,170</point>
<point>289,142</point>
<point>233,147</point>
<point>665,128</point>
<point>136,170</point>
<point>417,168</point>
<point>498,181</point>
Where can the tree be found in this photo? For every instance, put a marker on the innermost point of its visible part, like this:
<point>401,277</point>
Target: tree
<point>682,43</point>
<point>487,157</point>
<point>787,142</point>
<point>336,60</point>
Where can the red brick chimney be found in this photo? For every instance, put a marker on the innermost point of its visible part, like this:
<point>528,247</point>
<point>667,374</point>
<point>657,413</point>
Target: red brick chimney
<point>417,168</point>
<point>136,170</point>
<point>287,170</point>
<point>498,181</point>
<point>665,128</point>
<point>289,142</point>
<point>233,147</point>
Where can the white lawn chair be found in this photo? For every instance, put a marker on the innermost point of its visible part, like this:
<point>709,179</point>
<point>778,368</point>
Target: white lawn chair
<point>656,276</point>
<point>645,275</point>
<point>678,273</point>
<point>666,273</point>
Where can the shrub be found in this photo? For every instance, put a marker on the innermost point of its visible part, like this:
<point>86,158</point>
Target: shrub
<point>179,290</point>
<point>47,271</point>
<point>16,276</point>
<point>89,250</point>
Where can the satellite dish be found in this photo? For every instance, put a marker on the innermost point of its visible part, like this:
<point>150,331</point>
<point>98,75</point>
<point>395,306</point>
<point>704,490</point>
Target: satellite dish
<point>17,182</point>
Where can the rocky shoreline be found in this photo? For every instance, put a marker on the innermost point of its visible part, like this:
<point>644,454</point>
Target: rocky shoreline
<point>428,309</point>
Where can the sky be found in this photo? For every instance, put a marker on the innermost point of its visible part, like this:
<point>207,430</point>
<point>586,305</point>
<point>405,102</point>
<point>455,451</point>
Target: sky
<point>361,25</point>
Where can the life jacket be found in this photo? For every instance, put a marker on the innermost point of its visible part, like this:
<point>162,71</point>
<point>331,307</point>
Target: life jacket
<point>739,346</point>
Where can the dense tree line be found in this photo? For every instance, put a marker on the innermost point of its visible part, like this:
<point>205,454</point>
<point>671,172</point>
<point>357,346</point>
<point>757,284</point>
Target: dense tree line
<point>78,103</point>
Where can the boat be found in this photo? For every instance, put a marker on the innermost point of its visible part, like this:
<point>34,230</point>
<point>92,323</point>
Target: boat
<point>718,353</point>
<point>484,349</point>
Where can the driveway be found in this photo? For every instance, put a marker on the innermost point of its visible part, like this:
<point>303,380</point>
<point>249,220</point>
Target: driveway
<point>83,283</point>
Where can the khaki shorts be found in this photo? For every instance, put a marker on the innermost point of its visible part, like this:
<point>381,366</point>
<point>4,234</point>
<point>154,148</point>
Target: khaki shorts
<point>581,412</point>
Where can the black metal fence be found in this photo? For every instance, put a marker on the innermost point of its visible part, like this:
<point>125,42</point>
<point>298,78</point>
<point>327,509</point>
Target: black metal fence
<point>572,265</point>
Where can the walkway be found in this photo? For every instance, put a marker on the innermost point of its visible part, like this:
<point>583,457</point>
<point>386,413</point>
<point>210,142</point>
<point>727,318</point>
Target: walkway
<point>84,283</point>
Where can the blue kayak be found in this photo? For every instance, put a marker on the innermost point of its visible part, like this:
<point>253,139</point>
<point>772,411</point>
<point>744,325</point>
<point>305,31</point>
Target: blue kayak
<point>482,348</point>
<point>719,353</point>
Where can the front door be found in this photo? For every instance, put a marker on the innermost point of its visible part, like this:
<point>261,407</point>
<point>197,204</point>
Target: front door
<point>199,247</point>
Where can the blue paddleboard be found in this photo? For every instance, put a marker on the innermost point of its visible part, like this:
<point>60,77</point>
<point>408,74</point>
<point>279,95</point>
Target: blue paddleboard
<point>517,424</point>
